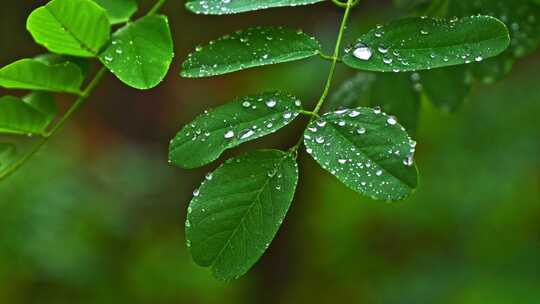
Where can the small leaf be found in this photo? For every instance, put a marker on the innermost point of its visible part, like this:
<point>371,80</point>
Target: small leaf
<point>44,103</point>
<point>237,211</point>
<point>253,47</point>
<point>34,75</point>
<point>351,93</point>
<point>7,151</point>
<point>521,16</point>
<point>447,88</point>
<point>203,140</point>
<point>371,89</point>
<point>402,100</point>
<point>118,11</point>
<point>225,7</point>
<point>54,59</point>
<point>70,27</point>
<point>421,43</point>
<point>141,52</point>
<point>17,117</point>
<point>493,69</point>
<point>365,149</point>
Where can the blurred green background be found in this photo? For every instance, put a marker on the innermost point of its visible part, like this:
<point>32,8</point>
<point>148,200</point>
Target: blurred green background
<point>97,216</point>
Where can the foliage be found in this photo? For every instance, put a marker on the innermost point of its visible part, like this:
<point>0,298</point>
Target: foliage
<point>240,206</point>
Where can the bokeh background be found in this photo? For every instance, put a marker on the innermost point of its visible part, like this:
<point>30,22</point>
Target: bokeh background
<point>97,216</point>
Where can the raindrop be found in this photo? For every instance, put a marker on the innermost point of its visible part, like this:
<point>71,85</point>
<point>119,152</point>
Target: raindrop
<point>362,51</point>
<point>229,134</point>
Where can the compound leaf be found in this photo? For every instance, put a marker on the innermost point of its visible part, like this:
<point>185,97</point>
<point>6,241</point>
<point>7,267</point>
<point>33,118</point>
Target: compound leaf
<point>248,48</point>
<point>205,138</point>
<point>18,117</point>
<point>44,103</point>
<point>365,149</point>
<point>238,210</point>
<point>225,7</point>
<point>141,52</point>
<point>447,88</point>
<point>70,27</point>
<point>33,74</point>
<point>521,16</point>
<point>422,43</point>
<point>7,151</point>
<point>118,11</point>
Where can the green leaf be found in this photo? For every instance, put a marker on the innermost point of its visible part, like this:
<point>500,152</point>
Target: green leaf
<point>70,27</point>
<point>35,75</point>
<point>141,52</point>
<point>224,7</point>
<point>493,69</point>
<point>447,88</point>
<point>44,103</point>
<point>7,151</point>
<point>18,117</point>
<point>204,139</point>
<point>351,92</point>
<point>365,149</point>
<point>237,211</point>
<point>366,88</point>
<point>402,100</point>
<point>521,16</point>
<point>54,59</point>
<point>421,43</point>
<point>253,47</point>
<point>118,11</point>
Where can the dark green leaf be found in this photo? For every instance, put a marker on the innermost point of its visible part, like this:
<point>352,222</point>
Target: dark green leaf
<point>44,103</point>
<point>70,27</point>
<point>54,59</point>
<point>203,140</point>
<point>223,7</point>
<point>118,11</point>
<point>422,43</point>
<point>18,117</point>
<point>493,69</point>
<point>238,210</point>
<point>141,52</point>
<point>34,75</point>
<point>351,93</point>
<point>7,151</point>
<point>521,16</point>
<point>365,149</point>
<point>398,94</point>
<point>365,88</point>
<point>447,88</point>
<point>249,48</point>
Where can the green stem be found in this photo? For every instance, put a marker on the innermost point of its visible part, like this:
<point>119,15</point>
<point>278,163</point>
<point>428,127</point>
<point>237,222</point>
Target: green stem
<point>83,96</point>
<point>76,105</point>
<point>328,57</point>
<point>315,113</point>
<point>159,4</point>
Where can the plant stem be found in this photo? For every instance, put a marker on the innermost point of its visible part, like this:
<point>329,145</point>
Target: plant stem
<point>156,7</point>
<point>335,57</point>
<point>83,96</point>
<point>328,57</point>
<point>76,105</point>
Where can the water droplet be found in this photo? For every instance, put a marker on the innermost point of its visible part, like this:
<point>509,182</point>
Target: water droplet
<point>229,134</point>
<point>271,103</point>
<point>247,133</point>
<point>362,51</point>
<point>391,120</point>
<point>196,192</point>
